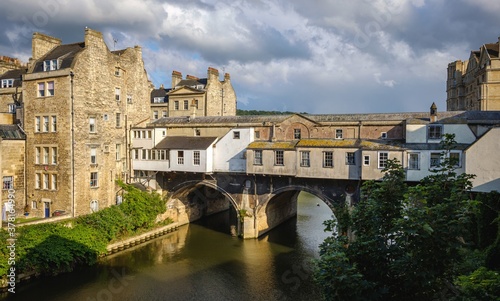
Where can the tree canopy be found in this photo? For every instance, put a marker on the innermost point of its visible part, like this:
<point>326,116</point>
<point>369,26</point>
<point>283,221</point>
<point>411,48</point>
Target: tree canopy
<point>403,242</point>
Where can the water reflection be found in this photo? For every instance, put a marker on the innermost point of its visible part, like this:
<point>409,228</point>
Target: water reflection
<point>198,263</point>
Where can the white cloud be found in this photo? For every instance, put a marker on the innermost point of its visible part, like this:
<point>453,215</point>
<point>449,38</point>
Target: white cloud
<point>320,57</point>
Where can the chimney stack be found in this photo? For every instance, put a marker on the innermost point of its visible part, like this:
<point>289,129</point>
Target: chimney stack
<point>433,112</point>
<point>41,44</point>
<point>176,78</point>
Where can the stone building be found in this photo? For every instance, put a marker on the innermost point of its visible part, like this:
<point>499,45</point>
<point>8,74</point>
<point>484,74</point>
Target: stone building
<point>12,154</point>
<point>79,101</point>
<point>474,84</point>
<point>11,72</point>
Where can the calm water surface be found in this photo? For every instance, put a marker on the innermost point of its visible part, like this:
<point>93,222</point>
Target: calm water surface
<point>200,263</point>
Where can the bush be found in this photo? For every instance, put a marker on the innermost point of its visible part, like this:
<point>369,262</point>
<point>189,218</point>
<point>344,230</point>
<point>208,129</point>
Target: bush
<point>482,284</point>
<point>54,248</point>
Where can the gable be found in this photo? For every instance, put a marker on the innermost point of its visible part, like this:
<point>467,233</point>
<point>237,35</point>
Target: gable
<point>184,91</point>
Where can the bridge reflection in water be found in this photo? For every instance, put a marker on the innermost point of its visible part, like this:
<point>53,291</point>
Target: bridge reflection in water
<point>199,263</point>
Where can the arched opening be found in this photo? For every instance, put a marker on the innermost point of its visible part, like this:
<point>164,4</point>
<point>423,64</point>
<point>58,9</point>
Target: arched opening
<point>296,207</point>
<point>205,204</point>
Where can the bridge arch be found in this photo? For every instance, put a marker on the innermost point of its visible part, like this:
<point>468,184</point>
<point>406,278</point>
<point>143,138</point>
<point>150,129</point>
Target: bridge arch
<point>281,204</point>
<point>192,200</point>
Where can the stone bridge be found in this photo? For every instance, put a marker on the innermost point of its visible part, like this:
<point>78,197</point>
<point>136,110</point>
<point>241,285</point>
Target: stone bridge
<point>260,202</point>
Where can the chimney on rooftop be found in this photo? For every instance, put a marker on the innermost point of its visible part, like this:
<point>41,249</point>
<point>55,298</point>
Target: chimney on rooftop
<point>433,112</point>
<point>176,78</point>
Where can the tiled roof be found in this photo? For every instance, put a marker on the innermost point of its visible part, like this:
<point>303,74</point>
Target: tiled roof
<point>186,142</point>
<point>11,132</point>
<point>64,52</point>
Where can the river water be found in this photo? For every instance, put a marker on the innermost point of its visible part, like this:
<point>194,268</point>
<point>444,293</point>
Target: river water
<point>201,263</point>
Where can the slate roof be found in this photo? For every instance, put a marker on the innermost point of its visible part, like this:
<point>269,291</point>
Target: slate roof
<point>66,54</point>
<point>11,132</point>
<point>15,75</point>
<point>221,119</point>
<point>192,82</point>
<point>162,92</point>
<point>445,117</point>
<point>492,50</point>
<point>186,142</point>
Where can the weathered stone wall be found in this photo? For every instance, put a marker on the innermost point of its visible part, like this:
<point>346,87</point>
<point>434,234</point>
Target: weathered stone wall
<point>12,164</point>
<point>97,74</point>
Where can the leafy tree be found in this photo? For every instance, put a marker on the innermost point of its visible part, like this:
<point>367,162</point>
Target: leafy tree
<point>407,240</point>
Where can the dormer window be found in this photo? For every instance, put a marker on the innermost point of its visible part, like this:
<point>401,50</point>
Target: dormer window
<point>50,65</point>
<point>7,83</point>
<point>435,131</point>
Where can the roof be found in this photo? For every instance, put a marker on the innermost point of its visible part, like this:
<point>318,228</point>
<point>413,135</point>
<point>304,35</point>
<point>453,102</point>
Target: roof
<point>15,74</point>
<point>65,53</point>
<point>492,50</point>
<point>192,82</point>
<point>11,132</point>
<point>445,117</point>
<point>327,143</point>
<point>162,92</point>
<point>186,142</point>
<point>272,145</point>
<point>220,119</point>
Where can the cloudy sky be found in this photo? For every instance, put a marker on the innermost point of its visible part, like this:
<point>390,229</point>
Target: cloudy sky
<point>315,56</point>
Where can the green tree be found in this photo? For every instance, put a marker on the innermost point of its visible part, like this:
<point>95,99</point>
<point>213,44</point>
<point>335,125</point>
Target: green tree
<point>407,240</point>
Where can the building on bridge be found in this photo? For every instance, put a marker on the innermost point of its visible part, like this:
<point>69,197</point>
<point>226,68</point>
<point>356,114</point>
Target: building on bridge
<point>258,161</point>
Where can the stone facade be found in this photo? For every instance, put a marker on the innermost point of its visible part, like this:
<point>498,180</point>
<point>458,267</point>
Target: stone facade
<point>12,151</point>
<point>77,132</point>
<point>195,96</point>
<point>474,84</point>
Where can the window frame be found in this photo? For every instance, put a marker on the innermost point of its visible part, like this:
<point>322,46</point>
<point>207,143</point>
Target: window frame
<point>7,83</point>
<point>327,159</point>
<point>412,166</point>
<point>92,124</point>
<point>186,105</point>
<point>93,155</point>
<point>432,161</point>
<point>296,134</point>
<point>50,65</point>
<point>382,162</point>
<point>236,134</point>
<point>94,181</point>
<point>432,133</point>
<point>118,93</point>
<point>339,134</point>
<point>279,157</point>
<point>10,183</point>
<point>366,160</point>
<point>257,159</point>
<point>196,158</point>
<point>350,158</point>
<point>180,157</point>
<point>305,159</point>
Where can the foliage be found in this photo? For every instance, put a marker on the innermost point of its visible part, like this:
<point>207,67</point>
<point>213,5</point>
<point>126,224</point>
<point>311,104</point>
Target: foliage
<point>408,241</point>
<point>138,210</point>
<point>482,284</point>
<point>52,248</point>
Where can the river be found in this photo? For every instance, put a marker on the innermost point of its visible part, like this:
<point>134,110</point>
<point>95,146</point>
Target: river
<point>201,263</point>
